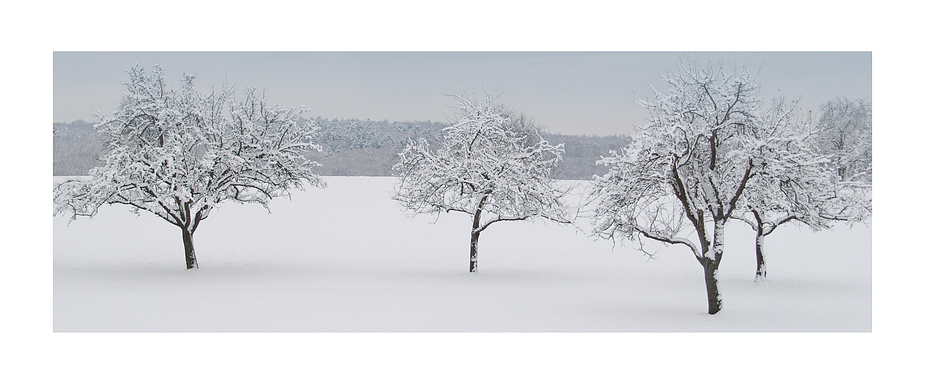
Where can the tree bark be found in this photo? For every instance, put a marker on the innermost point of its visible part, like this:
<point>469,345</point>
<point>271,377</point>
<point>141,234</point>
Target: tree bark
<point>710,262</point>
<point>474,240</point>
<point>191,262</point>
<point>714,300</point>
<point>761,272</point>
<point>474,252</point>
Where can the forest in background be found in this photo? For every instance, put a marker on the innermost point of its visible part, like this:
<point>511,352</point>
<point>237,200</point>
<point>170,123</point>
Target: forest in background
<point>350,147</point>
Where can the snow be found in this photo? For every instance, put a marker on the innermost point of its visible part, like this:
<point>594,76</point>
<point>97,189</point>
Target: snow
<point>548,304</point>
<point>347,259</point>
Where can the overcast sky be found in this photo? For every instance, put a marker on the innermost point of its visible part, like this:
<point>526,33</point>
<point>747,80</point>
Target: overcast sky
<point>589,93</point>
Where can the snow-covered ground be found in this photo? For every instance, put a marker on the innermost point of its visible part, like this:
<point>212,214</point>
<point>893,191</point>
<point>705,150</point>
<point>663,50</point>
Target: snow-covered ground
<point>346,258</point>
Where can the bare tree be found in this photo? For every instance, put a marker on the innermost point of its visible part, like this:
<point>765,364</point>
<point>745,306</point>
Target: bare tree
<point>708,138</point>
<point>491,164</point>
<point>179,153</point>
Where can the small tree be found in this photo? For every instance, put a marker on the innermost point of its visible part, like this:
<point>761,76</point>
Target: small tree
<point>491,165</point>
<point>689,167</point>
<point>177,154</point>
<point>846,133</point>
<point>798,184</point>
<point>790,186</point>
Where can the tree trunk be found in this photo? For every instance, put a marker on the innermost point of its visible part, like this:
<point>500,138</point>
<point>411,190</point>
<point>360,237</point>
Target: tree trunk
<point>474,240</point>
<point>714,300</point>
<point>710,263</point>
<point>761,272</point>
<point>474,252</point>
<point>191,262</point>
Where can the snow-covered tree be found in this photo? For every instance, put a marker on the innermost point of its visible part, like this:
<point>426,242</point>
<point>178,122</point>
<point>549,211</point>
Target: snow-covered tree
<point>797,184</point>
<point>846,134</point>
<point>179,153</point>
<point>491,164</point>
<point>689,168</point>
<point>791,185</point>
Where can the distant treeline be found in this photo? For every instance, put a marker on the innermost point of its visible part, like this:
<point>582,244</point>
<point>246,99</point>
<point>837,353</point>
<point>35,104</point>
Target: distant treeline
<point>76,148</point>
<point>351,147</point>
<point>582,153</point>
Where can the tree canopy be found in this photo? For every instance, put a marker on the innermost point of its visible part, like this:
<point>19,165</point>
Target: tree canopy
<point>492,164</point>
<point>709,139</point>
<point>179,153</point>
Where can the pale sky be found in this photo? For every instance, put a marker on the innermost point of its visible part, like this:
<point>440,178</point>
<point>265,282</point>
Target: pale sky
<point>590,93</point>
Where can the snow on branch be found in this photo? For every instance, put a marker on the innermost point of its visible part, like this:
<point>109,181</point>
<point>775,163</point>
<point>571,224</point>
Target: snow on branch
<point>178,153</point>
<point>490,161</point>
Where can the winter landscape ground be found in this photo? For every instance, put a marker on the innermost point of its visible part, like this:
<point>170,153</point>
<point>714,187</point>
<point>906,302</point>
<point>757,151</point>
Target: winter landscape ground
<point>346,259</point>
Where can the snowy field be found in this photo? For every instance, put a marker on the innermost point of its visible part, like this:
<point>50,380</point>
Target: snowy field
<point>346,259</point>
<point>355,291</point>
